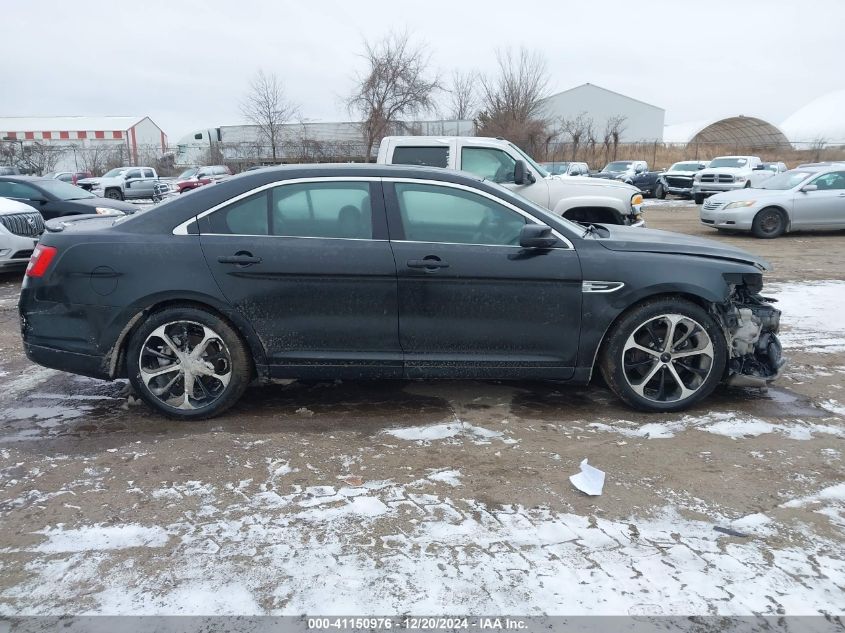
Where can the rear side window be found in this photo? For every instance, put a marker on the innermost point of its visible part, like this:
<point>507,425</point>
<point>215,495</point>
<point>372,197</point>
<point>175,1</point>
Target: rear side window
<point>244,217</point>
<point>326,210</point>
<point>489,163</point>
<point>428,156</point>
<point>148,173</point>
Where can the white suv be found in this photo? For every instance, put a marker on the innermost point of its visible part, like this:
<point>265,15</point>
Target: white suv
<point>20,228</point>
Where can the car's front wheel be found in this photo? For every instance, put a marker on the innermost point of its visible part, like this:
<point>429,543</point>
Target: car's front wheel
<point>769,223</point>
<point>188,363</point>
<point>699,199</point>
<point>664,355</point>
<point>114,194</point>
<point>659,192</point>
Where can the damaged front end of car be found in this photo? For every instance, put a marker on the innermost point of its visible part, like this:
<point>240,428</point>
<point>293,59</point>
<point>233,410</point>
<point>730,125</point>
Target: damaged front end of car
<point>750,322</point>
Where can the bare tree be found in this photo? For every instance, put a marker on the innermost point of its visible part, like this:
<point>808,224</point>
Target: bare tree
<point>576,129</point>
<point>615,126</point>
<point>511,100</point>
<point>395,84</point>
<point>267,107</point>
<point>463,95</point>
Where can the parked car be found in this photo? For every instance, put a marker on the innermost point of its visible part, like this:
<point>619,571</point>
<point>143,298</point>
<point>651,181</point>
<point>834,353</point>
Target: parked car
<point>54,198</point>
<point>373,271</point>
<point>198,176</point>
<point>775,168</point>
<point>122,183</point>
<point>500,161</point>
<point>636,173</point>
<point>20,228</point>
<point>728,173</point>
<point>69,176</point>
<point>799,199</point>
<point>567,168</point>
<point>677,180</point>
<point>9,171</point>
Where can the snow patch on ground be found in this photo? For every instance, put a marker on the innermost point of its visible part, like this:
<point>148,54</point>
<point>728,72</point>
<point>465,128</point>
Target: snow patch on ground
<point>447,430</point>
<point>811,314</point>
<point>100,537</point>
<point>451,477</point>
<point>451,557</point>
<point>726,424</point>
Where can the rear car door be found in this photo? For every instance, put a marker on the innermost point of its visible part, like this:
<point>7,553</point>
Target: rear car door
<point>132,186</point>
<point>824,207</point>
<point>470,299</point>
<point>308,263</point>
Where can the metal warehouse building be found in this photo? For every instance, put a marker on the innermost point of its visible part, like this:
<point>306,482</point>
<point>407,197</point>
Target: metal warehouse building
<point>642,121</point>
<point>71,138</point>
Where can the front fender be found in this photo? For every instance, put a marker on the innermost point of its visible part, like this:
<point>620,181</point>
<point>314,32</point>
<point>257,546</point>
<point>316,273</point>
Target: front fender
<point>575,202</point>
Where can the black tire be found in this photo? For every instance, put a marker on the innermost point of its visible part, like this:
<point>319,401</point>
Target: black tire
<point>659,191</point>
<point>699,199</point>
<point>769,223</point>
<point>220,374</point>
<point>642,377</point>
<point>114,194</point>
<point>747,185</point>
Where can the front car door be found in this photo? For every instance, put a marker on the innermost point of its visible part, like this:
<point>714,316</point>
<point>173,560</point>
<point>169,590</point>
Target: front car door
<point>307,262</point>
<point>132,187</point>
<point>824,207</point>
<point>497,166</point>
<point>471,301</point>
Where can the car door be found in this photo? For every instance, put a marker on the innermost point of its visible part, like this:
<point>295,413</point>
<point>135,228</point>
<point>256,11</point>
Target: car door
<point>824,207</point>
<point>132,187</point>
<point>309,265</point>
<point>471,301</point>
<point>498,166</point>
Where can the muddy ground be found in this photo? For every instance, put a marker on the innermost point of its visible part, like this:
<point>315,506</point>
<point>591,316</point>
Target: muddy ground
<point>429,497</point>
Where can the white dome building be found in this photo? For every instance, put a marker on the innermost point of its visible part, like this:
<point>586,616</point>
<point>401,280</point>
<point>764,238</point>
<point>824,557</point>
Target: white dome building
<point>820,120</point>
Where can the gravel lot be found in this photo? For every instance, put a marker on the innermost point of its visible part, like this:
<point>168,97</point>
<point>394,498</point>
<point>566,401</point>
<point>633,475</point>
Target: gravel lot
<point>435,498</point>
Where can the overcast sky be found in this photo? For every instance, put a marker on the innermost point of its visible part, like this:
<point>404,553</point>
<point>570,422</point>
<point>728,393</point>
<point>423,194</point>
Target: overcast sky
<point>187,64</point>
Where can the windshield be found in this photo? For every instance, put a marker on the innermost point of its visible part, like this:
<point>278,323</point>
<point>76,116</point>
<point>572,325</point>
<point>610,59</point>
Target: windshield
<point>63,190</point>
<point>621,165</point>
<point>541,213</point>
<point>530,161</point>
<point>556,168</point>
<point>685,167</point>
<point>114,172</point>
<point>189,173</point>
<point>786,180</point>
<point>728,162</point>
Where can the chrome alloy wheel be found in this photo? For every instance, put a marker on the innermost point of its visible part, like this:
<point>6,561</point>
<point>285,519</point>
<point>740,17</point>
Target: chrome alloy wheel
<point>185,364</point>
<point>668,358</point>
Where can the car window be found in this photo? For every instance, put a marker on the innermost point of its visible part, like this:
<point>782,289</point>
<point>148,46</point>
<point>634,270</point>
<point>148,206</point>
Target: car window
<point>485,162</point>
<point>148,173</point>
<point>65,177</point>
<point>18,190</point>
<point>133,173</point>
<point>325,209</point>
<point>832,180</point>
<point>432,213</point>
<point>244,217</point>
<point>429,156</point>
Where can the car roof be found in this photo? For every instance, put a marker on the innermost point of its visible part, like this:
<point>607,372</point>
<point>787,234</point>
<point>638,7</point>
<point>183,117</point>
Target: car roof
<point>374,170</point>
<point>22,178</point>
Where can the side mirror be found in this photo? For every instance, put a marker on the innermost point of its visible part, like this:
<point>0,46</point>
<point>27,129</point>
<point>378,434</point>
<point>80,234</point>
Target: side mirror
<point>519,173</point>
<point>536,236</point>
<point>808,188</point>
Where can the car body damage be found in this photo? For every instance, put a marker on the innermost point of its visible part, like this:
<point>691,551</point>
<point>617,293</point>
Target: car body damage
<point>751,324</point>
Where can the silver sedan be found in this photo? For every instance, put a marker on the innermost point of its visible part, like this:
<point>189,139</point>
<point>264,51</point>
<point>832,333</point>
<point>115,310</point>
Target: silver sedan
<point>799,199</point>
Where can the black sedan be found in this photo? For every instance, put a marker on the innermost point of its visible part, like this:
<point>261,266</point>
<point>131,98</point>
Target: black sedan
<point>54,198</point>
<point>323,272</point>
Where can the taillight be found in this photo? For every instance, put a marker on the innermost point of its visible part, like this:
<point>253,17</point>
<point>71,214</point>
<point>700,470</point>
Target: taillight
<point>40,260</point>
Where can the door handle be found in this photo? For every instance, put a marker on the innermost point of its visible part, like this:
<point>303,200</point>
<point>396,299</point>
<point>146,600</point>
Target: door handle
<point>241,258</point>
<point>430,264</point>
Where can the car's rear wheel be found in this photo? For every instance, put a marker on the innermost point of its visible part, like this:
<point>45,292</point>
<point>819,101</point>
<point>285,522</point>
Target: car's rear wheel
<point>768,223</point>
<point>699,199</point>
<point>664,355</point>
<point>188,363</point>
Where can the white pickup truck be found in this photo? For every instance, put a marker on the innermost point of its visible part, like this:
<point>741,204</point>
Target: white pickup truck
<point>728,173</point>
<point>576,198</point>
<point>123,183</point>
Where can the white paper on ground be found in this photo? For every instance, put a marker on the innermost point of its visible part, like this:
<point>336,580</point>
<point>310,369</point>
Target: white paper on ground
<point>590,480</point>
